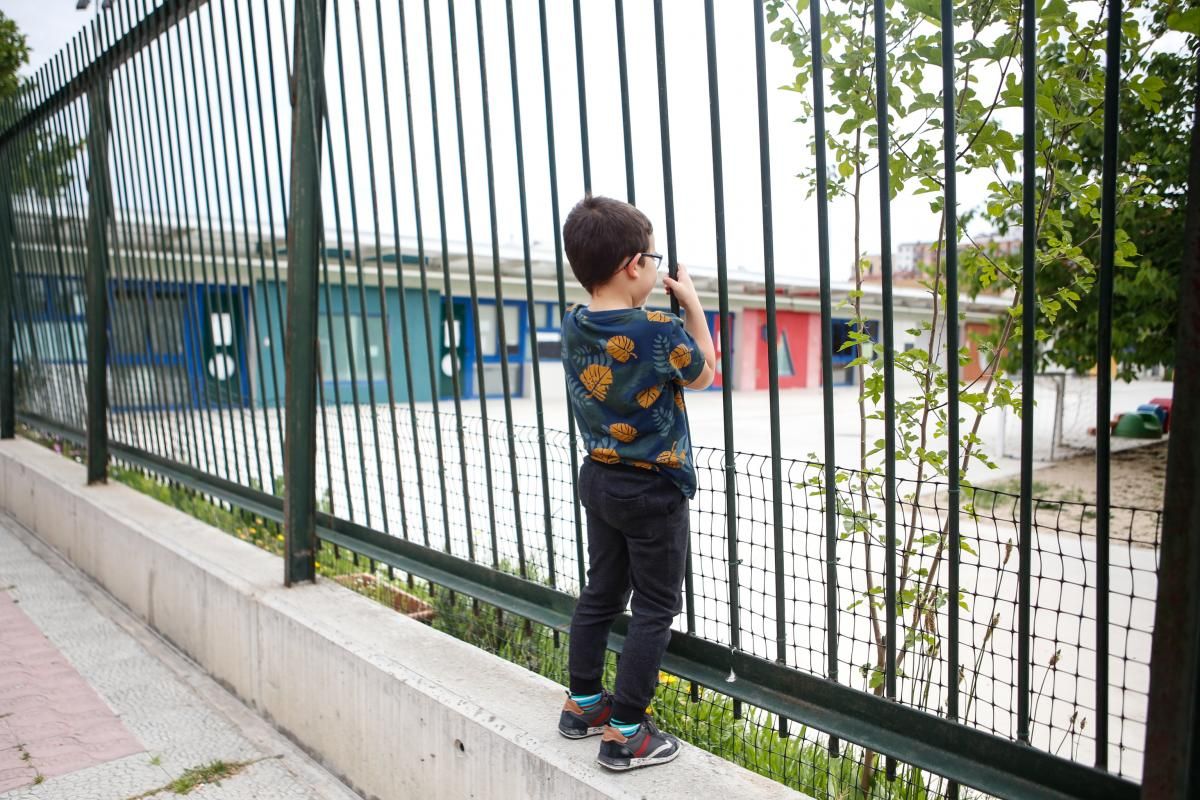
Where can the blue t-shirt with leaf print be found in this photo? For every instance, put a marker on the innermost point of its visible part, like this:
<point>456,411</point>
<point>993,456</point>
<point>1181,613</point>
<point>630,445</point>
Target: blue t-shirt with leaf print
<point>625,371</point>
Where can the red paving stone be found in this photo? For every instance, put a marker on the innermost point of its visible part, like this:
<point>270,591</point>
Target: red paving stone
<point>52,722</point>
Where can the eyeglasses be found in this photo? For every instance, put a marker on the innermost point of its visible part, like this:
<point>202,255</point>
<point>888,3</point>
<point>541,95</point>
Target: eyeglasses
<point>657,259</point>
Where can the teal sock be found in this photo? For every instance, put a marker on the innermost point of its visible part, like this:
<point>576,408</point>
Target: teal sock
<point>626,728</point>
<point>587,700</point>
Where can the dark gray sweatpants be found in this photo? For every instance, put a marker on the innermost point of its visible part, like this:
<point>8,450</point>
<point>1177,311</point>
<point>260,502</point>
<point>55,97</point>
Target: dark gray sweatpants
<point>637,541</point>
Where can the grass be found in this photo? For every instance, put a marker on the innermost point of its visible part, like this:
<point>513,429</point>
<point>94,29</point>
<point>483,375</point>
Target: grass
<point>698,715</point>
<point>27,757</point>
<point>195,777</point>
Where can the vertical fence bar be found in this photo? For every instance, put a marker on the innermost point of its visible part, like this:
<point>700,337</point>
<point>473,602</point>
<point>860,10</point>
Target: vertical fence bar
<point>383,303</point>
<point>157,208</point>
<point>267,365</point>
<point>1028,345</point>
<point>400,288</point>
<point>362,292</point>
<point>151,179</point>
<point>1173,724</point>
<point>1108,228</point>
<point>500,325</point>
<point>560,274</point>
<point>7,394</point>
<point>99,211</point>
<point>949,145</point>
<point>660,55</point>
<point>472,275</point>
<point>583,115</point>
<point>889,356</point>
<point>764,166</point>
<point>301,344</point>
<point>72,127</point>
<point>127,254</point>
<point>127,320</point>
<point>249,305</point>
<point>214,106</point>
<point>272,325</point>
<point>530,305</point>
<point>664,128</point>
<point>130,318</point>
<point>424,276</point>
<point>448,321</point>
<point>68,275</point>
<point>626,124</point>
<point>203,200</point>
<point>829,467</point>
<point>731,531</point>
<point>175,150</point>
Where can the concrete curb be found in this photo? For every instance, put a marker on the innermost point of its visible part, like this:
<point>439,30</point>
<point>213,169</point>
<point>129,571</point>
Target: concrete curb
<point>394,708</point>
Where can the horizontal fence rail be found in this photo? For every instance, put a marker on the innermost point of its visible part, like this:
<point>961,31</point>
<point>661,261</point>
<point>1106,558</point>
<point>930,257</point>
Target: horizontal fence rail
<point>304,261</point>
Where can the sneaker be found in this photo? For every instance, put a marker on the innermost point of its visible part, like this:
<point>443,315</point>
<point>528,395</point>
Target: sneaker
<point>575,723</point>
<point>646,747</point>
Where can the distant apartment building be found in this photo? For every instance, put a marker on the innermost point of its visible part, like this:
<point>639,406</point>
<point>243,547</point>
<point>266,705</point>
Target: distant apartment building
<point>911,261</point>
<point>912,264</point>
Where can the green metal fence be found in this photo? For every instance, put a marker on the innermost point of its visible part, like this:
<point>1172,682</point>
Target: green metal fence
<point>215,264</point>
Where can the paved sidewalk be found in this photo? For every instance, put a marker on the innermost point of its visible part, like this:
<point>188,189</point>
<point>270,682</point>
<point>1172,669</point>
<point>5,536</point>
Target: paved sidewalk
<point>94,706</point>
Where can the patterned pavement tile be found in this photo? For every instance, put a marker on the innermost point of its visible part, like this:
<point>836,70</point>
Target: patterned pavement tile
<point>93,706</point>
<point>61,725</point>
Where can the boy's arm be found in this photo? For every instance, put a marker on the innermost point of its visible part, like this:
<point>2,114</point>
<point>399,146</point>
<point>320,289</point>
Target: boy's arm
<point>696,324</point>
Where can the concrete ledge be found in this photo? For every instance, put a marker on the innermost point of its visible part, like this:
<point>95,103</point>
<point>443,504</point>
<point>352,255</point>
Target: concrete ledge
<point>396,709</point>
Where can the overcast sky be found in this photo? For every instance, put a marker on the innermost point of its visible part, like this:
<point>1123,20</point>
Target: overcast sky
<point>50,23</point>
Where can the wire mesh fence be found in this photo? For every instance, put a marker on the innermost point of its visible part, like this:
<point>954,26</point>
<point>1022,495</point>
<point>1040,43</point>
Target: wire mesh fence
<point>153,177</point>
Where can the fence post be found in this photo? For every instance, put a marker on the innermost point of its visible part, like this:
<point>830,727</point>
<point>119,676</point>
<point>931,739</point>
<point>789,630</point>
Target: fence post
<point>300,345</point>
<point>99,210</point>
<point>8,400</point>
<point>1173,723</point>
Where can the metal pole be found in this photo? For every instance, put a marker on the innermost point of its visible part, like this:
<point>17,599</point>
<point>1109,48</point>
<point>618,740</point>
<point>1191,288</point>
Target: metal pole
<point>7,393</point>
<point>99,209</point>
<point>1173,725</point>
<point>949,147</point>
<point>1028,354</point>
<point>300,446</point>
<point>1108,230</point>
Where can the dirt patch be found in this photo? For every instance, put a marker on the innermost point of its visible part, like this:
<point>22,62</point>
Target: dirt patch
<point>1066,493</point>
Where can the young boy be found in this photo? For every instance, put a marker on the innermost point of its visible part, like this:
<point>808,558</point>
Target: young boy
<point>626,368</point>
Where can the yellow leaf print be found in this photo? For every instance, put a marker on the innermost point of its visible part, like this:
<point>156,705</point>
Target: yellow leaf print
<point>620,348</point>
<point>679,401</point>
<point>596,379</point>
<point>681,356</point>
<point>644,465</point>
<point>657,316</point>
<point>605,455</point>
<point>671,458</point>
<point>622,432</point>
<point>646,398</point>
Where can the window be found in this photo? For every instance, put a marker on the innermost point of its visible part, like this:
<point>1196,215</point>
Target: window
<point>512,329</point>
<point>841,334</point>
<point>489,334</point>
<point>784,351</point>
<point>166,323</point>
<point>349,350</point>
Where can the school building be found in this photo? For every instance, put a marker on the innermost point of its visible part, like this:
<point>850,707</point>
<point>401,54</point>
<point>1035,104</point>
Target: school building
<point>196,318</point>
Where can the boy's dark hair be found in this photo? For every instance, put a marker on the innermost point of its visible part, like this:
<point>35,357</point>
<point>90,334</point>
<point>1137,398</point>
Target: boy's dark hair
<point>599,234</point>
